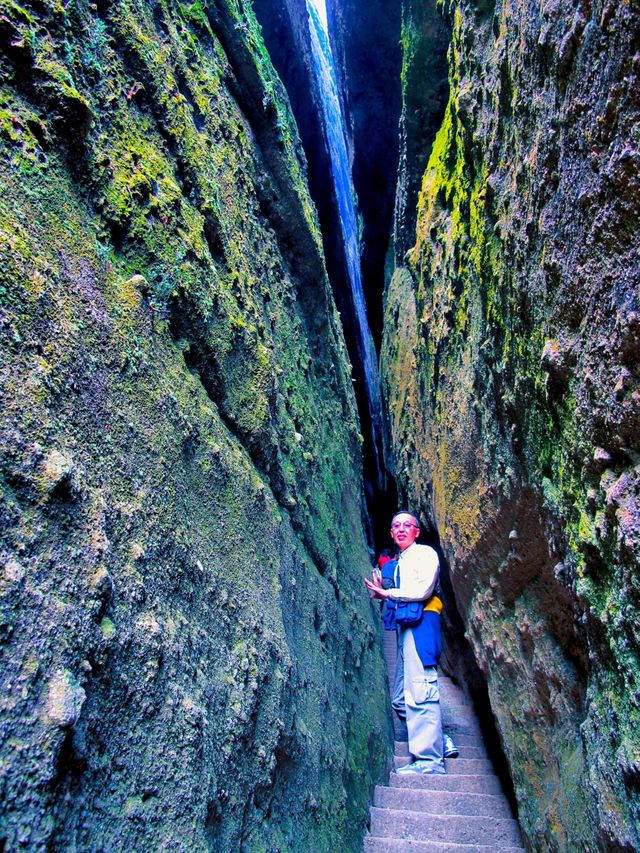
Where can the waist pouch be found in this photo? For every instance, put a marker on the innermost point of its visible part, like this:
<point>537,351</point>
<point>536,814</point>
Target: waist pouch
<point>390,611</point>
<point>409,613</point>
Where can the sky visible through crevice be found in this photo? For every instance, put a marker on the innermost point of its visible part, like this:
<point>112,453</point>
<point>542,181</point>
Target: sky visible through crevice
<point>364,350</point>
<point>321,9</point>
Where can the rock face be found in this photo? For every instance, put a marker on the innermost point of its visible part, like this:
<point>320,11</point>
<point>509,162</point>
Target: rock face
<point>188,661</point>
<point>366,46</point>
<point>287,34</point>
<point>285,28</point>
<point>510,364</point>
<point>425,38</point>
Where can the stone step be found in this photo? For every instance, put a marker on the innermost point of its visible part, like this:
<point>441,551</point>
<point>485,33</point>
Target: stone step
<point>455,698</point>
<point>459,829</point>
<point>458,711</point>
<point>462,811</point>
<point>401,747</point>
<point>465,738</point>
<point>442,802</point>
<point>460,721</point>
<point>472,751</point>
<point>465,711</point>
<point>485,784</point>
<point>469,766</point>
<point>396,845</point>
<point>461,738</point>
<point>455,727</point>
<point>454,710</point>
<point>400,732</point>
<point>466,716</point>
<point>466,766</point>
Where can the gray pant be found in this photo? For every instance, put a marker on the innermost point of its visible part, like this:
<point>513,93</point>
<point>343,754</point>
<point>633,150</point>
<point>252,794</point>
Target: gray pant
<point>416,698</point>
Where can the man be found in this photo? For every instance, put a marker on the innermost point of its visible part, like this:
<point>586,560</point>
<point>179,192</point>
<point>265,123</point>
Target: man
<point>418,646</point>
<point>387,572</point>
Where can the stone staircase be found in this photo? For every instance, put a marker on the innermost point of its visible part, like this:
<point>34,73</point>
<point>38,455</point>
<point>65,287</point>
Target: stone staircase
<point>462,812</point>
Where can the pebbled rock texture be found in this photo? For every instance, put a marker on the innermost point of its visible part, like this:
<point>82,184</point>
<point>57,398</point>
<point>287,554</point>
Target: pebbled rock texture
<point>188,662</point>
<point>510,365</point>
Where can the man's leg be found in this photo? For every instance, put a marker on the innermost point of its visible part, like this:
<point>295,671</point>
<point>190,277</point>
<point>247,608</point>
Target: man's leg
<point>422,701</point>
<point>397,694</point>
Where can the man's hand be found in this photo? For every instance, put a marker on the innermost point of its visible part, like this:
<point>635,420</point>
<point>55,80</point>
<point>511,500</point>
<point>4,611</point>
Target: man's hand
<point>375,587</point>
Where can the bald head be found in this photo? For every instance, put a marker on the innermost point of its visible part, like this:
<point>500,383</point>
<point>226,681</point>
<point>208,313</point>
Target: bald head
<point>403,512</point>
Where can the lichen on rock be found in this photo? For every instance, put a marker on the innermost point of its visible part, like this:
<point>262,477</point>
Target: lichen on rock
<point>65,699</point>
<point>170,548</point>
<point>518,307</point>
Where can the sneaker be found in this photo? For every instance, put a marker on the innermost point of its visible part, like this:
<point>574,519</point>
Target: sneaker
<point>407,768</point>
<point>422,767</point>
<point>450,749</point>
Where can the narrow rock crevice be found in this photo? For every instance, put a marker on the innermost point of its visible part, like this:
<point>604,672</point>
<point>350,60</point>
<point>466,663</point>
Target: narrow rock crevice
<point>366,40</point>
<point>287,35</point>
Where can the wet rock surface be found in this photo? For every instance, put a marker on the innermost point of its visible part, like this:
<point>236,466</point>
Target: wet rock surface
<point>510,362</point>
<point>188,662</point>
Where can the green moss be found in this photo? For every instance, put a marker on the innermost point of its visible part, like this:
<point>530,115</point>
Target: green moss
<point>158,337</point>
<point>108,628</point>
<point>478,420</point>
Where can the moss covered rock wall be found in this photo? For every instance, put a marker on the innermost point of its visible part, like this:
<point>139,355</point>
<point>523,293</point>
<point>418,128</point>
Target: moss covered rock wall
<point>188,662</point>
<point>510,362</point>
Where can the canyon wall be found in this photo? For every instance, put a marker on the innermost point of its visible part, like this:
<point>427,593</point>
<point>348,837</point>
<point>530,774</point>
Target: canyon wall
<point>510,364</point>
<point>188,659</point>
<point>368,61</point>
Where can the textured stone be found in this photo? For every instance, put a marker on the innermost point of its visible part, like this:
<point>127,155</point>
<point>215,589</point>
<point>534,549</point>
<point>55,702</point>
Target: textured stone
<point>479,784</point>
<point>441,802</point>
<point>188,661</point>
<point>65,699</point>
<point>459,829</point>
<point>509,368</point>
<point>394,845</point>
<point>431,810</point>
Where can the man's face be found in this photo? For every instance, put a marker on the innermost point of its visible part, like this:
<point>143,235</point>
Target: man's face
<point>404,530</point>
